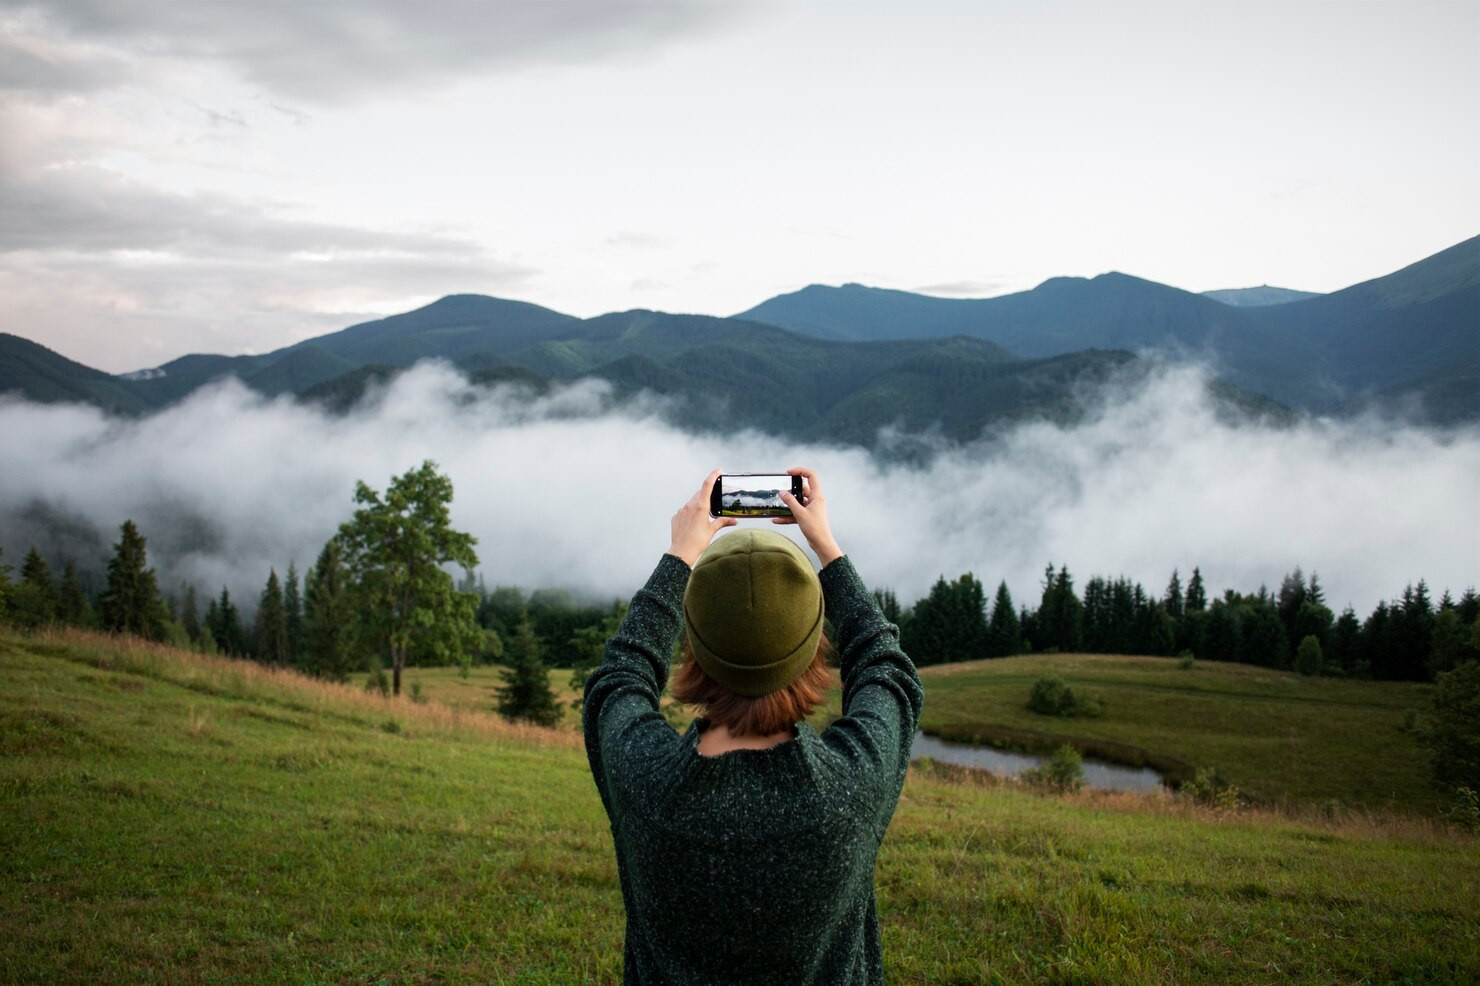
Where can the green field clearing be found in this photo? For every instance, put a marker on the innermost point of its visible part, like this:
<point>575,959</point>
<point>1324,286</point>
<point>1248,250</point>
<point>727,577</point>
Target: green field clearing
<point>1278,736</point>
<point>169,818</point>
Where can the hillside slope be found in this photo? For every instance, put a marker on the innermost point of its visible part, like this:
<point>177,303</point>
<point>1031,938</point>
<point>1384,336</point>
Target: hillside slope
<point>34,372</point>
<point>173,818</point>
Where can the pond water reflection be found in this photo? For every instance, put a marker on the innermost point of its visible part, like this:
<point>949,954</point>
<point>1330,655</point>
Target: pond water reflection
<point>1004,763</point>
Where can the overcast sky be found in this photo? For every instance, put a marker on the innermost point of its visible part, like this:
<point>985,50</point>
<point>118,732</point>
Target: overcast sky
<point>231,177</point>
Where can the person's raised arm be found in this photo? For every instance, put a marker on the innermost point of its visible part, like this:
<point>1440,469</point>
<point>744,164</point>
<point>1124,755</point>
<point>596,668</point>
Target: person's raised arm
<point>621,714</point>
<point>882,693</point>
<point>810,514</point>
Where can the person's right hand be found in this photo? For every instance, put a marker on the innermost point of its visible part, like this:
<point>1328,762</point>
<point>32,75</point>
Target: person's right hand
<point>692,527</point>
<point>810,514</point>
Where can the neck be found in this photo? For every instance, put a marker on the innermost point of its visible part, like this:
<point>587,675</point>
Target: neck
<point>717,739</point>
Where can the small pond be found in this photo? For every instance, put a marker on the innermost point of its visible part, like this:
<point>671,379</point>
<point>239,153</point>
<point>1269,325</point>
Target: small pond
<point>1097,773</point>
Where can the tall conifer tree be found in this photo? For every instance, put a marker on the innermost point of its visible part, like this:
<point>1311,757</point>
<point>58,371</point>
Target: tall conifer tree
<point>1004,633</point>
<point>526,694</point>
<point>271,629</point>
<point>131,602</point>
<point>293,615</point>
<point>328,616</point>
<point>189,612</point>
<point>1197,596</point>
<point>73,606</point>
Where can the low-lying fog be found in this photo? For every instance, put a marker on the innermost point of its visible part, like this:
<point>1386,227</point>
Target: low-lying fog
<point>568,490</point>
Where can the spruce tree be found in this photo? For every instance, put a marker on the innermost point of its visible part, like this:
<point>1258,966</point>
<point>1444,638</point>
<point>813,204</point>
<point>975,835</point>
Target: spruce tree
<point>271,629</point>
<point>1346,643</point>
<point>293,615</point>
<point>73,606</point>
<point>1171,600</point>
<point>36,573</point>
<point>328,616</point>
<point>5,588</point>
<point>526,694</point>
<point>225,623</point>
<point>131,603</point>
<point>1197,597</point>
<point>189,612</point>
<point>1004,632</point>
<point>33,600</point>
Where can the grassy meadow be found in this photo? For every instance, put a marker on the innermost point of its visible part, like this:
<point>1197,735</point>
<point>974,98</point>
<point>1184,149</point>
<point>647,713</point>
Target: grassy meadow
<point>1278,736</point>
<point>171,818</point>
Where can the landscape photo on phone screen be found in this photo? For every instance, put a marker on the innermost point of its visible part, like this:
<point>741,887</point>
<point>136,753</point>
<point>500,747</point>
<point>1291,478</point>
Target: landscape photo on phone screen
<point>753,496</point>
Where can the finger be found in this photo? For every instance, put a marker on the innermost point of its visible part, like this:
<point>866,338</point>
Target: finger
<point>783,520</point>
<point>814,488</point>
<point>788,498</point>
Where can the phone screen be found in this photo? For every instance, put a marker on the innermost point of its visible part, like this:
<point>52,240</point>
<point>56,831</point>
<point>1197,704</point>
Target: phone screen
<point>753,494</point>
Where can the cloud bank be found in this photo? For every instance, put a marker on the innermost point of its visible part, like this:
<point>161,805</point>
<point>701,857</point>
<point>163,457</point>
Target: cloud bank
<point>574,489</point>
<point>332,52</point>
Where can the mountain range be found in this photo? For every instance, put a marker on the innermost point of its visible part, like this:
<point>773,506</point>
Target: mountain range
<point>842,363</point>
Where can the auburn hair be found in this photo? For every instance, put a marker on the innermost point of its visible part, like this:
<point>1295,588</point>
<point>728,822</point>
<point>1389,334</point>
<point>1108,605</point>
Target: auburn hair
<point>761,716</point>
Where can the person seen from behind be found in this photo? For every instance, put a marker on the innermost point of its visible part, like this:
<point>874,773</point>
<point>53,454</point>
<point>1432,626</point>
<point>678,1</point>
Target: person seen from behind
<point>746,846</point>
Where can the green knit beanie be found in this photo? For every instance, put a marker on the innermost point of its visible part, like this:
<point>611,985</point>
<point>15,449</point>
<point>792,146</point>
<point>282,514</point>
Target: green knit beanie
<point>753,610</point>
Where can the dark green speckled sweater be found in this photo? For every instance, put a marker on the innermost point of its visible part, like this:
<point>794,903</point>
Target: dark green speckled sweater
<point>756,866</point>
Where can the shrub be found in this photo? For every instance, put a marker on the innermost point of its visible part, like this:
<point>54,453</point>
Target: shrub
<point>1206,789</point>
<point>1465,811</point>
<point>1051,696</point>
<point>1062,771</point>
<point>1453,733</point>
<point>379,681</point>
<point>416,695</point>
<point>1185,663</point>
<point>1308,655</point>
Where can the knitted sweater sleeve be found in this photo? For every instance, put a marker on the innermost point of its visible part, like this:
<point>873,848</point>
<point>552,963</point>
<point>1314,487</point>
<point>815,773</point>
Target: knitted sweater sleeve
<point>621,718</point>
<point>882,692</point>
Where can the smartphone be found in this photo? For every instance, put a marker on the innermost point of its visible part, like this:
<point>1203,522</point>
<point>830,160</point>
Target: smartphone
<point>753,494</point>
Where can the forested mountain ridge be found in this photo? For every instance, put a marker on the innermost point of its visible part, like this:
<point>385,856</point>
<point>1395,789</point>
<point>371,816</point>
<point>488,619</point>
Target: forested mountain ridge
<point>1414,332</point>
<point>847,362</point>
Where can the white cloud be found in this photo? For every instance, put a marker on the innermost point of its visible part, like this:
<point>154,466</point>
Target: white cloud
<point>570,490</point>
<point>342,51</point>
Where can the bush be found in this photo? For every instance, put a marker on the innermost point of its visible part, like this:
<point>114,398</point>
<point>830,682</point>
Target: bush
<point>1206,789</point>
<point>379,681</point>
<point>1308,656</point>
<point>1185,663</point>
<point>1453,732</point>
<point>1465,812</point>
<point>416,695</point>
<point>1062,771</point>
<point>1051,696</point>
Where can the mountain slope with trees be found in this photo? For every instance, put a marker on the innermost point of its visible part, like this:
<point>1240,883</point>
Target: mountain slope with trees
<point>1408,331</point>
<point>842,363</point>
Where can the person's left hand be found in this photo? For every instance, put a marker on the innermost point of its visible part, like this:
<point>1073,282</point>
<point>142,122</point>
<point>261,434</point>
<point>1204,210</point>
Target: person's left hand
<point>693,528</point>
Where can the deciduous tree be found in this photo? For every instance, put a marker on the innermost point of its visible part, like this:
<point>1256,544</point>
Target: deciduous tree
<point>396,547</point>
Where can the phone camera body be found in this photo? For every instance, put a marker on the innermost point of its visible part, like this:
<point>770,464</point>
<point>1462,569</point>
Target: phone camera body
<point>753,494</point>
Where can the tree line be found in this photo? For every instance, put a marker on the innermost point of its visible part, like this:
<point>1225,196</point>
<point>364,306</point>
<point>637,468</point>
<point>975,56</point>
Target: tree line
<point>378,597</point>
<point>1412,637</point>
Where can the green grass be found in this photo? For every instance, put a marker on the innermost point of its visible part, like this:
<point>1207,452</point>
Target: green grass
<point>1278,736</point>
<point>168,818</point>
